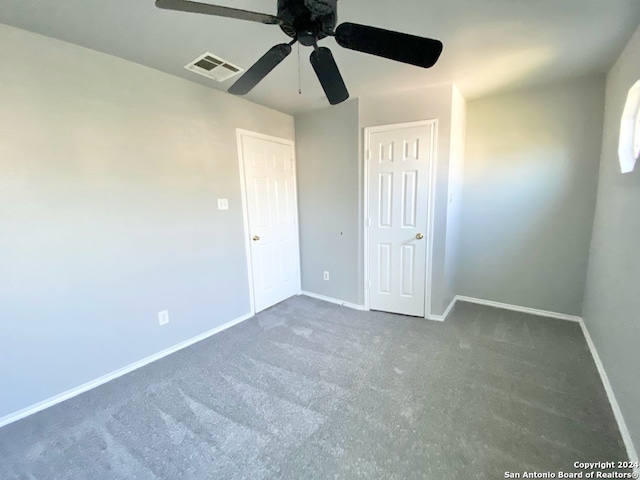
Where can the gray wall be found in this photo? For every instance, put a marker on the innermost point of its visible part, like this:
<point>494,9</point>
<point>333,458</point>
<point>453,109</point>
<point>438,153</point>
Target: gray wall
<point>612,303</point>
<point>109,175</point>
<point>455,193</point>
<point>329,192</point>
<point>414,105</point>
<point>529,195</point>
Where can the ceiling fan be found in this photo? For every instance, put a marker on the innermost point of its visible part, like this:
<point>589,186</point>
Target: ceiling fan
<point>307,22</point>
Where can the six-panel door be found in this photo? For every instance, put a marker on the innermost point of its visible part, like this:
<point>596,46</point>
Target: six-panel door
<point>399,162</point>
<point>271,204</point>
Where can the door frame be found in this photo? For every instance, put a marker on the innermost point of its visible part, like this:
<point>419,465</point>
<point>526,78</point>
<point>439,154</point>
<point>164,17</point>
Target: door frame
<point>433,124</point>
<point>240,133</point>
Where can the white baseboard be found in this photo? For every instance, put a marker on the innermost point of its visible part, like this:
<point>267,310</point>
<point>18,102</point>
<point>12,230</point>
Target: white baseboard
<point>515,308</point>
<point>622,425</point>
<point>443,317</point>
<point>333,300</point>
<point>25,412</point>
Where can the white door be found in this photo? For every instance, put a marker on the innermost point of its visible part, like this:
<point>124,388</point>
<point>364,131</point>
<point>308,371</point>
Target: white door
<point>399,165</point>
<point>269,179</point>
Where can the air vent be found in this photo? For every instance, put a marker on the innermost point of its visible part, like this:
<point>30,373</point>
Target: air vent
<point>210,66</point>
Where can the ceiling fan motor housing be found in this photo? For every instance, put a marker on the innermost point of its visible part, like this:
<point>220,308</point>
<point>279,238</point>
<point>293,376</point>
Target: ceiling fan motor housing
<point>307,20</point>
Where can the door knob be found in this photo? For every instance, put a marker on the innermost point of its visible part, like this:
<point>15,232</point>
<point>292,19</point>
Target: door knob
<point>256,238</point>
<point>419,236</point>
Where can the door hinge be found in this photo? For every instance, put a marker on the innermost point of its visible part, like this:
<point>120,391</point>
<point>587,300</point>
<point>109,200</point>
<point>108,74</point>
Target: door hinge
<point>367,222</point>
<point>367,154</point>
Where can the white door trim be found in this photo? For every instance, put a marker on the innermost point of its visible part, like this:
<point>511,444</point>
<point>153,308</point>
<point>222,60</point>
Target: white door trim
<point>430,207</point>
<point>240,133</point>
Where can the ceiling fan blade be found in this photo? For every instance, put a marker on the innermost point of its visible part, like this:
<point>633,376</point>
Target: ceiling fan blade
<point>402,47</point>
<point>329,75</point>
<point>207,9</point>
<point>260,69</point>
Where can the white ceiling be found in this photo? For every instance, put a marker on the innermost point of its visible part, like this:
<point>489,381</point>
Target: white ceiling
<point>489,45</point>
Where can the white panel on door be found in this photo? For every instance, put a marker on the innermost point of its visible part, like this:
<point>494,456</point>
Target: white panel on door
<point>407,262</point>
<point>384,265</point>
<point>262,202</point>
<point>385,187</point>
<point>286,164</point>
<point>386,152</point>
<point>259,159</point>
<point>409,198</point>
<point>265,253</point>
<point>411,149</point>
<point>282,202</point>
<point>284,247</point>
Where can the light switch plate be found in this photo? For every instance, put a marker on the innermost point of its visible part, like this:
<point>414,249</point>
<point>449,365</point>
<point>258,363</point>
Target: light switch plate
<point>163,317</point>
<point>223,204</point>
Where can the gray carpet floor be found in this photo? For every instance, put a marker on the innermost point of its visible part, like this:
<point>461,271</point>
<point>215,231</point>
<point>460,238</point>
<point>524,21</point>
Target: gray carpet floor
<point>311,390</point>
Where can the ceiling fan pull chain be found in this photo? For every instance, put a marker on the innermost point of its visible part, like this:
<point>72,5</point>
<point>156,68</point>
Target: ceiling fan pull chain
<point>299,78</point>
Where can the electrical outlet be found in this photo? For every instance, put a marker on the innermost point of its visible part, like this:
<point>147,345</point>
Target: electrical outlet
<point>326,275</point>
<point>163,317</point>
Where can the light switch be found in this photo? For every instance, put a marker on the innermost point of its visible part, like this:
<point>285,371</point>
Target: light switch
<point>223,204</point>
